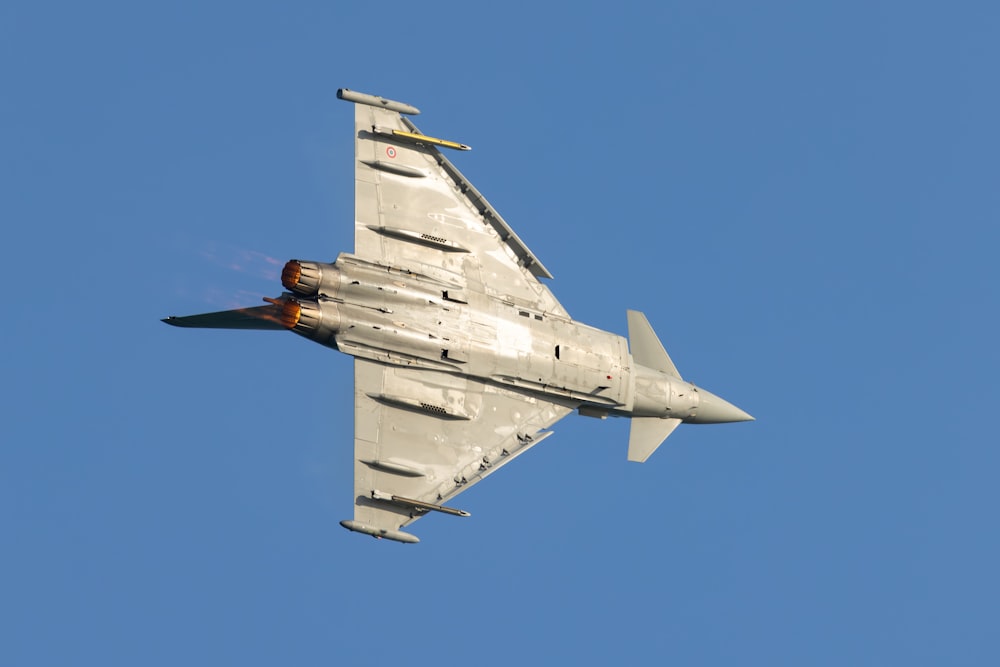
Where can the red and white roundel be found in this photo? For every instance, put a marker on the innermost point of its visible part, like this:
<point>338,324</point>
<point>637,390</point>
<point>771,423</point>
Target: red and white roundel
<point>390,151</point>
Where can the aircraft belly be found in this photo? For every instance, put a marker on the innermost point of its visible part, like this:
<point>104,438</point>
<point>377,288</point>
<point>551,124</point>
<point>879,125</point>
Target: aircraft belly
<point>404,317</point>
<point>400,318</point>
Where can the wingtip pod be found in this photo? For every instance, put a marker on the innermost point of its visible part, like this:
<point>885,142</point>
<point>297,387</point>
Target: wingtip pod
<point>376,101</point>
<point>379,533</point>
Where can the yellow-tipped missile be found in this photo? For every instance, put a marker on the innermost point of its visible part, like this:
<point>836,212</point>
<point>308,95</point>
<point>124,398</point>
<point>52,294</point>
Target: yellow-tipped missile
<point>424,139</point>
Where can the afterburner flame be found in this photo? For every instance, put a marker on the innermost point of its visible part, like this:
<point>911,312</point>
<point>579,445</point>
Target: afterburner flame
<point>291,274</point>
<point>290,314</point>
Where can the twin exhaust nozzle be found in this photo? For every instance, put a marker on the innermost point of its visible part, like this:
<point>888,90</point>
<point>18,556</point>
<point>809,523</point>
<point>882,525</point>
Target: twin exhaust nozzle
<point>311,278</point>
<point>316,319</point>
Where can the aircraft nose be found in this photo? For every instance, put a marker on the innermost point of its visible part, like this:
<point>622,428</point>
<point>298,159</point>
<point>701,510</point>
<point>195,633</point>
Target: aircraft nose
<point>714,410</point>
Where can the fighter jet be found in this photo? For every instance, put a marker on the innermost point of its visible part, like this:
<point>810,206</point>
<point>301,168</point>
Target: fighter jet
<point>463,358</point>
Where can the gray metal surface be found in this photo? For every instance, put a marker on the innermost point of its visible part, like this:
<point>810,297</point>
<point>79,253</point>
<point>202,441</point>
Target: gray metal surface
<point>463,358</point>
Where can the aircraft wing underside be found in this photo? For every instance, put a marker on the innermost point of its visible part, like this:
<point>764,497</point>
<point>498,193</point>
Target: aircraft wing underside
<point>422,437</point>
<point>414,210</point>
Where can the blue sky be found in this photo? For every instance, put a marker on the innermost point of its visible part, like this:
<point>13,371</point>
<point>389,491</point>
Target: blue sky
<point>803,199</point>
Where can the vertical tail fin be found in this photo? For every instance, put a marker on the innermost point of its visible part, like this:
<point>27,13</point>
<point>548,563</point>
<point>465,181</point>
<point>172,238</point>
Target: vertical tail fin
<point>261,317</point>
<point>647,350</point>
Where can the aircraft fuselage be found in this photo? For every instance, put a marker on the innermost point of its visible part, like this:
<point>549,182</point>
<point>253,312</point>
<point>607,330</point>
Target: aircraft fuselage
<point>408,319</point>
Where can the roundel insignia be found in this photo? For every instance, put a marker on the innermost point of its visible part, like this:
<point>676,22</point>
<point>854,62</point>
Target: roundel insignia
<point>390,151</point>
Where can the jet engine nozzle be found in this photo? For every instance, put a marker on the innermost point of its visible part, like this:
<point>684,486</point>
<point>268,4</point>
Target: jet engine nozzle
<point>310,278</point>
<point>318,320</point>
<point>291,313</point>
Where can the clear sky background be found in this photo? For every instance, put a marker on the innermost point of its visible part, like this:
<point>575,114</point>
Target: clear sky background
<point>802,197</point>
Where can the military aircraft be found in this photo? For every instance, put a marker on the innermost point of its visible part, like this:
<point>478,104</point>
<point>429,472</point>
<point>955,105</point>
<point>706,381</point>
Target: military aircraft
<point>463,358</point>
